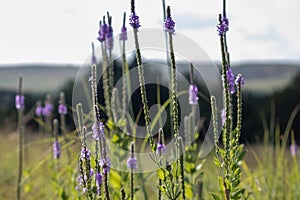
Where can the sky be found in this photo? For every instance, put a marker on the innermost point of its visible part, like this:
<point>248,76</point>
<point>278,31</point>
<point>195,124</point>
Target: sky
<point>61,31</point>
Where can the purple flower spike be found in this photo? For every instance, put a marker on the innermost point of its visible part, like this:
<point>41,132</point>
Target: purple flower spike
<point>134,21</point>
<point>62,109</point>
<point>85,153</point>
<point>294,149</point>
<point>56,149</point>
<point>123,34</point>
<point>132,163</point>
<point>161,148</point>
<point>230,79</point>
<point>47,109</point>
<point>223,26</point>
<point>193,92</point>
<point>223,116</point>
<point>39,111</point>
<point>239,80</point>
<point>105,164</point>
<point>99,179</point>
<point>20,102</point>
<point>169,23</point>
<point>103,31</point>
<point>98,130</point>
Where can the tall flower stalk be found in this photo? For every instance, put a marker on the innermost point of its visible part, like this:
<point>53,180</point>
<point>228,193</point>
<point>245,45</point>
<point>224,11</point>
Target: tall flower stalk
<point>135,24</point>
<point>109,46</point>
<point>106,87</point>
<point>170,28</point>
<point>20,106</point>
<point>227,160</point>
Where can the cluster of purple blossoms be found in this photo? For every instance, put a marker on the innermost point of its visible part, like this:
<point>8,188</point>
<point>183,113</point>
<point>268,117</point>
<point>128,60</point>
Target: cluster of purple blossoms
<point>132,163</point>
<point>56,149</point>
<point>62,109</point>
<point>170,25</point>
<point>105,164</point>
<point>134,21</point>
<point>47,110</point>
<point>20,102</point>
<point>230,79</point>
<point>123,34</point>
<point>223,26</point>
<point>239,80</point>
<point>294,149</point>
<point>98,130</point>
<point>102,32</point>
<point>193,95</point>
<point>161,148</point>
<point>39,110</point>
<point>85,153</point>
<point>99,180</point>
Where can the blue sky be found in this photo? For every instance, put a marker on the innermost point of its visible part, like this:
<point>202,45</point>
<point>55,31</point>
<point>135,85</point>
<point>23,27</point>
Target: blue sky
<point>62,30</point>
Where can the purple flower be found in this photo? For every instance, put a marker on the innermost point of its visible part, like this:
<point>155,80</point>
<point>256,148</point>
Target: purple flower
<point>80,180</point>
<point>293,149</point>
<point>47,109</point>
<point>56,149</point>
<point>223,116</point>
<point>39,111</point>
<point>123,34</point>
<point>98,130</point>
<point>230,79</point>
<point>239,80</point>
<point>62,109</point>
<point>109,38</point>
<point>91,172</point>
<point>169,25</point>
<point>134,21</point>
<point>223,26</point>
<point>132,163</point>
<point>161,148</point>
<point>102,32</point>
<point>20,102</point>
<point>193,98</point>
<point>85,153</point>
<point>84,190</point>
<point>98,178</point>
<point>105,164</point>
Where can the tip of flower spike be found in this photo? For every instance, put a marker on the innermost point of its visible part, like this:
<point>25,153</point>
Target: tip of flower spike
<point>132,6</point>
<point>169,23</point>
<point>239,80</point>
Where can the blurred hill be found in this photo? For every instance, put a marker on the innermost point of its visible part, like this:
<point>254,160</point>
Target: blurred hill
<point>261,77</point>
<point>37,77</point>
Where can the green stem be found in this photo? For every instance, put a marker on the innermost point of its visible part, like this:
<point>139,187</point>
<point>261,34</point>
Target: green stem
<point>143,89</point>
<point>105,80</point>
<point>20,127</point>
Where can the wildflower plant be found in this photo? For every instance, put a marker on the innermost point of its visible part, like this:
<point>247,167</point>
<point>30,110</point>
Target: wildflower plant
<point>228,159</point>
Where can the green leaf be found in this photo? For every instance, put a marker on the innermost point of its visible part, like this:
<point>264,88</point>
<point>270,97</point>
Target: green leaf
<point>215,196</point>
<point>115,179</point>
<point>161,174</point>
<point>189,191</point>
<point>190,168</point>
